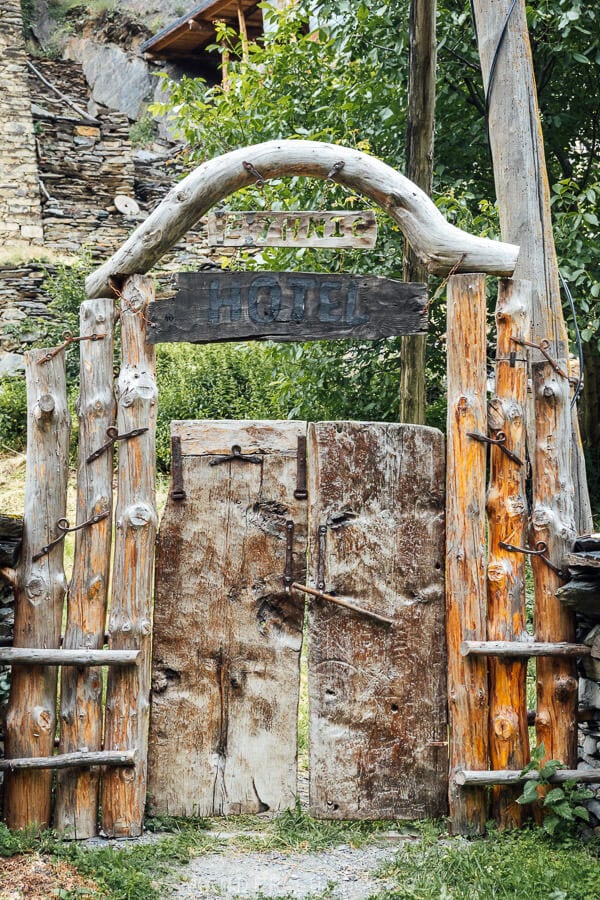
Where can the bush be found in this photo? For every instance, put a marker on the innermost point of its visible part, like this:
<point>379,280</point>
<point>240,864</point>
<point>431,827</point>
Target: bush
<point>13,414</point>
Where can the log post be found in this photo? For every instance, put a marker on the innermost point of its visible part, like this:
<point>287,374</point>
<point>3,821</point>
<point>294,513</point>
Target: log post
<point>76,807</point>
<point>127,697</point>
<point>465,545</point>
<point>39,589</point>
<point>552,522</point>
<point>507,523</point>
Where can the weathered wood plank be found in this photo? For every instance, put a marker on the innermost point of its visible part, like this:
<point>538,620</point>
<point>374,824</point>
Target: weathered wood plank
<point>334,228</point>
<point>377,693</point>
<point>507,522</point>
<point>225,700</point>
<point>11,537</point>
<point>128,689</point>
<point>286,306</point>
<point>39,589</point>
<point>17,655</point>
<point>466,606</point>
<point>440,245</point>
<point>76,807</point>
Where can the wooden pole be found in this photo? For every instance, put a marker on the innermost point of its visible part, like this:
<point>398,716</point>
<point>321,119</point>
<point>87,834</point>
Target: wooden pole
<point>78,760</point>
<point>483,779</point>
<point>507,522</point>
<point>77,791</point>
<point>17,655</point>
<point>243,31</point>
<point>39,589</point>
<point>522,649</point>
<point>465,544</point>
<point>523,193</point>
<point>128,690</point>
<point>419,168</point>
<point>552,522</point>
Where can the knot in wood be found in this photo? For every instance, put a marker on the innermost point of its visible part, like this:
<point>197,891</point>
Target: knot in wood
<point>140,515</point>
<point>564,687</point>
<point>36,590</point>
<point>44,407</point>
<point>498,571</point>
<point>42,719</point>
<point>505,725</point>
<point>542,719</point>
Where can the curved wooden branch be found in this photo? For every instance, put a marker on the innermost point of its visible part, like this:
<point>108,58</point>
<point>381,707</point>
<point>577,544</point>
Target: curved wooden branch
<point>441,246</point>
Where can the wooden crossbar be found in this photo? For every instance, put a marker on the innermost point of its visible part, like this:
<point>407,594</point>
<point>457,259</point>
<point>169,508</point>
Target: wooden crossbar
<point>78,760</point>
<point>35,657</point>
<point>471,778</point>
<point>522,648</point>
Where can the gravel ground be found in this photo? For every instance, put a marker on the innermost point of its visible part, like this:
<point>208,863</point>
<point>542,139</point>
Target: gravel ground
<point>348,872</point>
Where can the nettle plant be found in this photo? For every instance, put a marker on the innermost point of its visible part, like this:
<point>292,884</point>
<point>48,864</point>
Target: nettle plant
<point>562,804</point>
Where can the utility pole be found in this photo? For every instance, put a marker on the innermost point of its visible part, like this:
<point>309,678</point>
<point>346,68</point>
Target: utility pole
<point>419,168</point>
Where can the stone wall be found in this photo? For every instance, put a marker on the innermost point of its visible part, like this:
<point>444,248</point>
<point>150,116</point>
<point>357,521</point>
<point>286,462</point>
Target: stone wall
<point>20,213</point>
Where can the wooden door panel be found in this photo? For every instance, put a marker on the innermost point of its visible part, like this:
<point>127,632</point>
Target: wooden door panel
<point>227,638</point>
<point>377,693</point>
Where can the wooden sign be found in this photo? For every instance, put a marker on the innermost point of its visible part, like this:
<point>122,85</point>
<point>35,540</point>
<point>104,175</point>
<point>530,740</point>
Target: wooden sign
<point>286,306</point>
<point>336,228</point>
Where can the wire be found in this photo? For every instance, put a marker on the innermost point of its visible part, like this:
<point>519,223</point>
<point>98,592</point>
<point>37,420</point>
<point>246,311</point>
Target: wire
<point>579,387</point>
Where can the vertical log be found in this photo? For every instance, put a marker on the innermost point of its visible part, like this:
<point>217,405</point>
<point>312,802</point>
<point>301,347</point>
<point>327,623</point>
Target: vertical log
<point>507,521</point>
<point>76,809</point>
<point>552,522</point>
<point>127,698</point>
<point>465,545</point>
<point>39,589</point>
<point>243,30</point>
<point>419,168</point>
<point>523,189</point>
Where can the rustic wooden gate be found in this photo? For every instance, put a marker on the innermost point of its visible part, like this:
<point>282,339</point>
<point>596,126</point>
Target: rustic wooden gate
<point>231,578</point>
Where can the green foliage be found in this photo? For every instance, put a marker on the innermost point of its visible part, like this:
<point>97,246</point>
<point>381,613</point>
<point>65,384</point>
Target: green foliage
<point>520,865</point>
<point>562,804</point>
<point>13,413</point>
<point>143,132</point>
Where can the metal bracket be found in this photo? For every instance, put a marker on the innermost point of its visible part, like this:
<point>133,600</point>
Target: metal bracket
<point>498,441</point>
<point>65,529</point>
<point>540,550</point>
<point>236,454</point>
<point>543,348</point>
<point>68,338</point>
<point>301,492</point>
<point>260,181</point>
<point>114,436</point>
<point>288,575</point>
<point>177,491</point>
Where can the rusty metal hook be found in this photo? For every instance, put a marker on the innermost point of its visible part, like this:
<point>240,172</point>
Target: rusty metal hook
<point>337,167</point>
<point>113,437</point>
<point>236,454</point>
<point>65,529</point>
<point>539,551</point>
<point>260,181</point>
<point>498,441</point>
<point>68,338</point>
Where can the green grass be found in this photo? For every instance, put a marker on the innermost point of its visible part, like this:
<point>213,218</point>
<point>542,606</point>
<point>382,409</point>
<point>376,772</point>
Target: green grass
<point>524,864</point>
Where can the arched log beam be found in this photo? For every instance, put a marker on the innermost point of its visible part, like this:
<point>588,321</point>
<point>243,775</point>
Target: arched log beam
<point>441,246</point>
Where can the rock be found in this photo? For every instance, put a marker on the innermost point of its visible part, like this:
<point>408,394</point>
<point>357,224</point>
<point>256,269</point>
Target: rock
<point>593,806</point>
<point>11,364</point>
<point>589,693</point>
<point>590,745</point>
<point>117,80</point>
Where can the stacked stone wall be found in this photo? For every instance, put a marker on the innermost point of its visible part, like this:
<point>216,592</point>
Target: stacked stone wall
<point>20,212</point>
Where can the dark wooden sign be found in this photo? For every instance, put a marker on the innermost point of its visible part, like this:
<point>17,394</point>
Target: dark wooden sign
<point>286,306</point>
<point>270,228</point>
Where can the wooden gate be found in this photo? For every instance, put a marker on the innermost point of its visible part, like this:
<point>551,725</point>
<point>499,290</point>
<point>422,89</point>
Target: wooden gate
<point>231,582</point>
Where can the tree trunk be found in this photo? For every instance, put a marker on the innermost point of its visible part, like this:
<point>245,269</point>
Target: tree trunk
<point>419,168</point>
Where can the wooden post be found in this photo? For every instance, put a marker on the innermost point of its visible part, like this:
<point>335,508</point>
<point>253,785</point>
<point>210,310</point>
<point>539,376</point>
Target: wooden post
<point>523,193</point>
<point>552,522</point>
<point>243,30</point>
<point>39,589</point>
<point>76,807</point>
<point>465,544</point>
<point>419,168</point>
<point>127,697</point>
<point>507,522</point>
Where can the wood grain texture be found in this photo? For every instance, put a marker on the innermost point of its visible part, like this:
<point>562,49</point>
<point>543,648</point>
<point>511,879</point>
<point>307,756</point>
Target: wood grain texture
<point>128,689</point>
<point>268,228</point>
<point>81,715</point>
<point>227,637</point>
<point>552,522</point>
<point>79,759</point>
<point>377,693</point>
<point>507,522</point>
<point>523,192</point>
<point>440,245</point>
<point>466,604</point>
<point>39,589</point>
<point>286,306</point>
